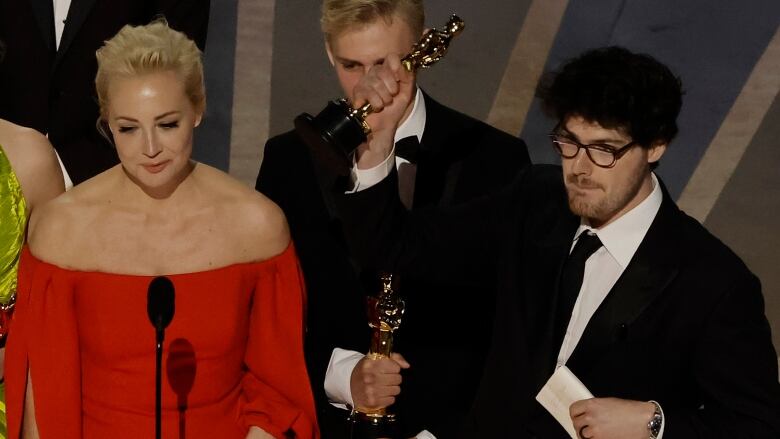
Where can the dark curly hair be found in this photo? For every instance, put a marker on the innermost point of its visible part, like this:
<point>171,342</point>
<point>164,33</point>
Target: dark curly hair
<point>619,90</point>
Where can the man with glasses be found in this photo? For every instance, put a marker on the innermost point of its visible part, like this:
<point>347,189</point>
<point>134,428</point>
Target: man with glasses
<point>598,270</point>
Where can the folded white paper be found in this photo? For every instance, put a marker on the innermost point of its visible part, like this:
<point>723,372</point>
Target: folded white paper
<point>561,391</point>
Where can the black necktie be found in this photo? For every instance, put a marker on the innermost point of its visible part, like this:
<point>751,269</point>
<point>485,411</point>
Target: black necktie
<point>571,281</point>
<point>408,149</point>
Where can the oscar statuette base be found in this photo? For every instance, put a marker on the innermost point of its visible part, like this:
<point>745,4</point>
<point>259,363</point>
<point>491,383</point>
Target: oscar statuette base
<point>377,425</point>
<point>332,135</point>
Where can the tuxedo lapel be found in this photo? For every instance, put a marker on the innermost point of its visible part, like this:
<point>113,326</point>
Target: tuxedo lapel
<point>549,252</point>
<point>432,167</point>
<point>77,14</point>
<point>438,126</point>
<point>441,151</point>
<point>650,271</point>
<point>44,15</point>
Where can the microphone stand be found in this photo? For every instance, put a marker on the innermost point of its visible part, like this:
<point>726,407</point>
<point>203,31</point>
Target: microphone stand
<point>160,306</point>
<point>159,336</point>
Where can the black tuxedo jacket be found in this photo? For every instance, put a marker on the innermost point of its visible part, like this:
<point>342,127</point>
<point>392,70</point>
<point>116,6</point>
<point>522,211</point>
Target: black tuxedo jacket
<point>684,324</point>
<point>460,158</point>
<point>53,90</point>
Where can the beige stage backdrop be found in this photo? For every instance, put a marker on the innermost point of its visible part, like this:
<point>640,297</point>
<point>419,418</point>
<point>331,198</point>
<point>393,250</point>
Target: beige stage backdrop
<point>266,63</point>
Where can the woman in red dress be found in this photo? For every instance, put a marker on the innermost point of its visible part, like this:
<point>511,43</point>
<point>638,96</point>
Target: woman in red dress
<point>80,360</point>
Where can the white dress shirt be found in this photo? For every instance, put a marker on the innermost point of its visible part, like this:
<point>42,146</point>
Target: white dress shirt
<point>61,8</point>
<point>342,361</point>
<point>620,240</point>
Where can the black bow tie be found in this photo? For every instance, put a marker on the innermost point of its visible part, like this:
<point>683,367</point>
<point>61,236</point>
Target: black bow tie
<point>408,149</point>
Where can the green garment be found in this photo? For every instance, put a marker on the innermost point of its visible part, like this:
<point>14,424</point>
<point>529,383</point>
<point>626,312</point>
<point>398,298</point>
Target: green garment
<point>13,220</point>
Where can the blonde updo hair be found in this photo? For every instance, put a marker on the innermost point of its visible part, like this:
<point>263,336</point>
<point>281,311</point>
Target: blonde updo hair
<point>155,47</point>
<point>341,15</point>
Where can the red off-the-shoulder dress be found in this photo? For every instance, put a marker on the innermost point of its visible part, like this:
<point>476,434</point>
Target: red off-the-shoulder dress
<point>232,358</point>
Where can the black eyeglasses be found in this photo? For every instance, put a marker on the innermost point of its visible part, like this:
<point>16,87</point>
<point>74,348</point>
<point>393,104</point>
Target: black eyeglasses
<point>600,154</point>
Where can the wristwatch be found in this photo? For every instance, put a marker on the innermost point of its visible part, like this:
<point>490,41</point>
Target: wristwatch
<point>656,421</point>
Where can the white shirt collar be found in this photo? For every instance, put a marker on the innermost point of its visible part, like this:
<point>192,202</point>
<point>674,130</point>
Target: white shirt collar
<point>622,237</point>
<point>414,125</point>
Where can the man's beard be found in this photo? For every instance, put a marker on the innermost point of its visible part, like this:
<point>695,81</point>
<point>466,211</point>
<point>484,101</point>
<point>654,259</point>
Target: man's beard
<point>603,208</point>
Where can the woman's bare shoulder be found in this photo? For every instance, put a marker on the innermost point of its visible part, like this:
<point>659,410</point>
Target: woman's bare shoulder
<point>53,228</point>
<point>25,147</point>
<point>34,162</point>
<point>16,138</point>
<point>59,231</point>
<point>254,222</point>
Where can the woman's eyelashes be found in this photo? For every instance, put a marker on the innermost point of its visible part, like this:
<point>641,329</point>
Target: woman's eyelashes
<point>165,125</point>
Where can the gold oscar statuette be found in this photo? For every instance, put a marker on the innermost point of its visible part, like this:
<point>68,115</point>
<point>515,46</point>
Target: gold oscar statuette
<point>385,311</point>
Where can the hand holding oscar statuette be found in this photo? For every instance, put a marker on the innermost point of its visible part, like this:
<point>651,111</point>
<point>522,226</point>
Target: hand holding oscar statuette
<point>339,128</point>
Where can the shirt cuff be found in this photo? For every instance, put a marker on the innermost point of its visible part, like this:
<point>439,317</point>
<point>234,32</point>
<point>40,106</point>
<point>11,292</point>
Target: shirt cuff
<point>365,178</point>
<point>338,375</point>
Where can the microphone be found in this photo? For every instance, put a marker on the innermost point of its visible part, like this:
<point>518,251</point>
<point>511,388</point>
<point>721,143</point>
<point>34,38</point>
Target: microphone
<point>160,306</point>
